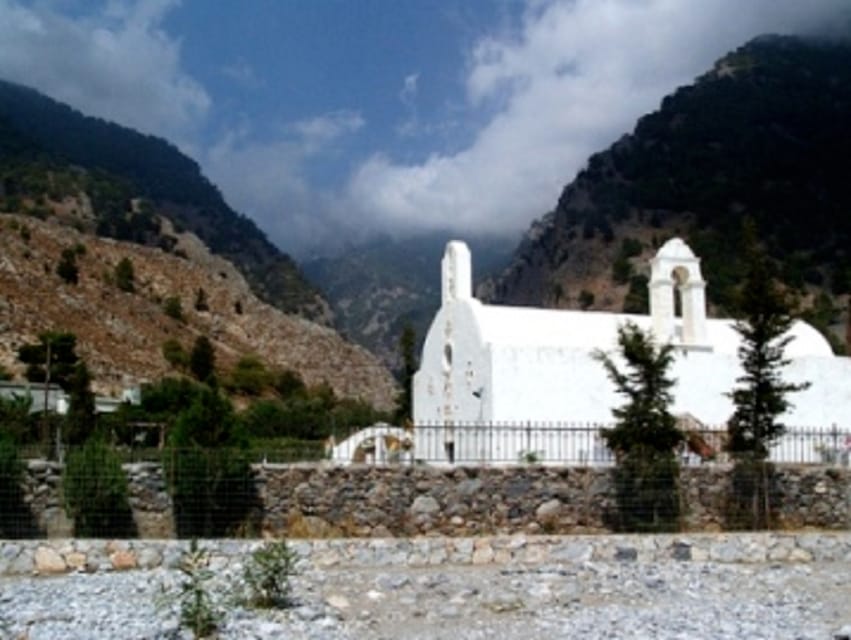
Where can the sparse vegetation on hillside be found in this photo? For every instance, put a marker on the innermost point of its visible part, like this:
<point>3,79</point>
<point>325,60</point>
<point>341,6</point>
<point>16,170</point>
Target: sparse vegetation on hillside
<point>49,152</point>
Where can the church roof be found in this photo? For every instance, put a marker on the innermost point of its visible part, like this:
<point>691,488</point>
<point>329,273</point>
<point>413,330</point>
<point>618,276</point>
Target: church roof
<point>587,330</point>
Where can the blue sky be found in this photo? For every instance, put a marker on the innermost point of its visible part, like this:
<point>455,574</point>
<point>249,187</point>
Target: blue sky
<point>339,119</point>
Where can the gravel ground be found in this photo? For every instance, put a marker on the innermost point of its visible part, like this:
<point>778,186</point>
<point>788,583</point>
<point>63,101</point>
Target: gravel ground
<point>592,600</point>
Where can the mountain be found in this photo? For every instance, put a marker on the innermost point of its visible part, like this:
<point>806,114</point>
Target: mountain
<point>176,296</point>
<point>39,135</point>
<point>376,288</point>
<point>764,135</point>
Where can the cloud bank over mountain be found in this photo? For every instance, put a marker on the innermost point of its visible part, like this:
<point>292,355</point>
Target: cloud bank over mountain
<point>531,103</point>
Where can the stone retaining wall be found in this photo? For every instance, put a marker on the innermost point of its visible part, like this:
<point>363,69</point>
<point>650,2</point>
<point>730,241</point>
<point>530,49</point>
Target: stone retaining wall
<point>44,557</point>
<point>402,501</point>
<point>313,501</point>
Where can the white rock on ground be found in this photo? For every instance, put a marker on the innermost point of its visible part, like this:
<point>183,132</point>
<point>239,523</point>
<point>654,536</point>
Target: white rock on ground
<point>589,600</point>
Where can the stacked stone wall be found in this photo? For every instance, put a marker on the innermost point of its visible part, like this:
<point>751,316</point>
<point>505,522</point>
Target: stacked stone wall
<point>324,501</point>
<point>45,557</point>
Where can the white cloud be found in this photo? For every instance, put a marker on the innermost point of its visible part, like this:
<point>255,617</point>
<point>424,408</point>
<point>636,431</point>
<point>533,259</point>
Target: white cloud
<point>317,133</point>
<point>243,74</point>
<point>578,75</point>
<point>409,89</point>
<point>264,176</point>
<point>118,64</point>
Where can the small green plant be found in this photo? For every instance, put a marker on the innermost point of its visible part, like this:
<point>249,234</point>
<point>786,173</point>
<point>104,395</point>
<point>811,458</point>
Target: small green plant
<point>198,612</point>
<point>124,275</point>
<point>67,268</point>
<point>175,354</point>
<point>173,308</point>
<point>530,457</point>
<point>267,575</point>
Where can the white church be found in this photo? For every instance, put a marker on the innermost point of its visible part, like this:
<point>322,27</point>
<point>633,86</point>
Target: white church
<point>484,365</point>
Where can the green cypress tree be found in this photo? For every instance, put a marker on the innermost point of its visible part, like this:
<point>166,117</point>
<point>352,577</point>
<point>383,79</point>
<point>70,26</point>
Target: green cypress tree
<point>645,434</point>
<point>760,397</point>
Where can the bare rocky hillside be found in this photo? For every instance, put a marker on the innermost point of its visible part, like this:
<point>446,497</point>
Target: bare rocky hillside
<point>120,334</point>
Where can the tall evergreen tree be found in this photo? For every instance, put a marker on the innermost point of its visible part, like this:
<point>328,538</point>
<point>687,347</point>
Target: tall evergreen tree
<point>407,351</point>
<point>760,397</point>
<point>645,433</point>
<point>202,359</point>
<point>80,420</point>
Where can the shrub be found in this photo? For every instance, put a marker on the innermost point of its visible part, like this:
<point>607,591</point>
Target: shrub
<point>125,276</point>
<point>209,475</point>
<point>202,359</point>
<point>95,489</point>
<point>16,520</point>
<point>67,268</point>
<point>198,612</point>
<point>249,376</point>
<point>173,308</point>
<point>175,354</point>
<point>267,575</point>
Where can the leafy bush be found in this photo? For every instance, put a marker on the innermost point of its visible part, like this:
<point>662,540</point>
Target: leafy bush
<point>208,471</point>
<point>249,376</point>
<point>16,520</point>
<point>202,359</point>
<point>175,354</point>
<point>267,575</point>
<point>67,268</point>
<point>125,277</point>
<point>173,308</point>
<point>96,495</point>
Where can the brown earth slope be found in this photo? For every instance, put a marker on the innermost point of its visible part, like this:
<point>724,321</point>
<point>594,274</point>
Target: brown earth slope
<point>120,334</point>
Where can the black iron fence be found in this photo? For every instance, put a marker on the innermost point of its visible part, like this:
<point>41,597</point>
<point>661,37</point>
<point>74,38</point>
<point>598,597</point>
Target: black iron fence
<point>560,443</point>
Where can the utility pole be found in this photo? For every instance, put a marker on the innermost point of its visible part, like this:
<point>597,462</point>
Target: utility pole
<point>45,425</point>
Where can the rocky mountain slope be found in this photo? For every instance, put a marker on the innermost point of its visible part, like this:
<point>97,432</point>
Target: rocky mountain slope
<point>120,334</point>
<point>38,135</point>
<point>764,134</point>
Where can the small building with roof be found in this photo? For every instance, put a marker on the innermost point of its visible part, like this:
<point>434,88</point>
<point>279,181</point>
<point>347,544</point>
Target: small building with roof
<point>489,365</point>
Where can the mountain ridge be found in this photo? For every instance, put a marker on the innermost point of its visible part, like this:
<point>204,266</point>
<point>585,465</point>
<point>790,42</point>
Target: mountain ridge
<point>37,128</point>
<point>763,135</point>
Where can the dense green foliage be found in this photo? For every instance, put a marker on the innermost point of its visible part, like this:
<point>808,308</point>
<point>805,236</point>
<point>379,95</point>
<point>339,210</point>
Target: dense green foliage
<point>202,359</point>
<point>95,490</point>
<point>645,434</point>
<point>67,268</point>
<point>80,420</point>
<point>53,358</point>
<point>15,419</point>
<point>48,149</point>
<point>15,518</point>
<point>208,470</point>
<point>249,377</point>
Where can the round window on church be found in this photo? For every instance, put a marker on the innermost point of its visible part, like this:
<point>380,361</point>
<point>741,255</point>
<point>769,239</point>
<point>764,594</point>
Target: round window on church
<point>447,356</point>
